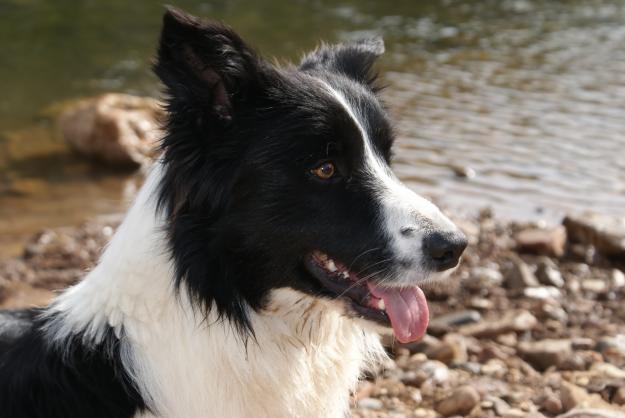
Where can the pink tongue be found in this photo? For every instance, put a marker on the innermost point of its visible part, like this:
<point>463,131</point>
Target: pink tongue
<point>407,310</point>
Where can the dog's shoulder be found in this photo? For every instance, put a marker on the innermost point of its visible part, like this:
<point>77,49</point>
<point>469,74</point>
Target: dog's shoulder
<point>40,377</point>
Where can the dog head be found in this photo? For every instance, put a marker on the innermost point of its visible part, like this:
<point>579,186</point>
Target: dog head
<point>279,177</point>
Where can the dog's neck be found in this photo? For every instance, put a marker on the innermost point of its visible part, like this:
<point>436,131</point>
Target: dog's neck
<point>302,362</point>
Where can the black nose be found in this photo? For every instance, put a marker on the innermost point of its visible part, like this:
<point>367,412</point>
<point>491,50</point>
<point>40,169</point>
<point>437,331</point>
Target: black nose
<point>444,249</point>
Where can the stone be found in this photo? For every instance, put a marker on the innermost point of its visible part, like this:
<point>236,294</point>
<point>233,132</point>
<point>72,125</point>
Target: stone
<point>545,353</point>
<point>424,413</point>
<point>573,396</point>
<point>512,321</point>
<point>542,293</point>
<point>480,277</point>
<point>605,233</point>
<point>460,402</point>
<point>592,413</point>
<point>114,128</point>
<point>594,285</point>
<point>617,277</point>
<point>445,322</point>
<point>548,274</point>
<point>582,343</point>
<point>542,241</point>
<point>452,349</point>
<point>552,404</point>
<point>434,370</point>
<point>370,403</point>
<point>614,344</point>
<point>520,275</point>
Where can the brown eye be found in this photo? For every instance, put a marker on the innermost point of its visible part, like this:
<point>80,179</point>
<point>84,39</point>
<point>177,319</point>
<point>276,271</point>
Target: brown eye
<point>325,171</point>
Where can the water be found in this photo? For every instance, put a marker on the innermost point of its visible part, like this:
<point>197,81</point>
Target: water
<point>526,95</point>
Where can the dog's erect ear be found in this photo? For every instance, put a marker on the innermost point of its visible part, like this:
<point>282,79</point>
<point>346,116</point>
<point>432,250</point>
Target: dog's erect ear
<point>204,65</point>
<point>354,60</point>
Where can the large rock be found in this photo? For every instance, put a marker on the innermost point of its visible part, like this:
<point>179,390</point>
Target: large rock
<point>545,353</point>
<point>114,128</point>
<point>542,241</point>
<point>606,234</point>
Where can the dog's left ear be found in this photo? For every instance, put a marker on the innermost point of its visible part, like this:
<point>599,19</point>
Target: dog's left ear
<point>205,66</point>
<point>355,60</point>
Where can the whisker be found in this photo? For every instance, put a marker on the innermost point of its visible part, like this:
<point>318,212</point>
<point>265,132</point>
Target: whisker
<point>360,255</point>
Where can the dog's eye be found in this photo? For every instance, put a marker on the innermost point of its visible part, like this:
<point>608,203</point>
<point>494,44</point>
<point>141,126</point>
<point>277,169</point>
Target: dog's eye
<point>324,171</point>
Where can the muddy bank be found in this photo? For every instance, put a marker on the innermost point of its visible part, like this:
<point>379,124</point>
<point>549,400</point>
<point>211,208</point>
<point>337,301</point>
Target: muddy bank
<point>531,324</point>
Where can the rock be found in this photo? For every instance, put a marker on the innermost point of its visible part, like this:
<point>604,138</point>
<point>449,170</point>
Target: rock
<point>542,293</point>
<point>594,285</point>
<point>445,322</point>
<point>540,241</point>
<point>520,276</point>
<point>424,413</point>
<point>545,353</point>
<point>573,396</point>
<point>479,277</point>
<point>582,343</point>
<point>512,321</point>
<point>497,404</point>
<point>370,403</point>
<point>548,274</point>
<point>614,344</point>
<point>617,277</point>
<point>114,128</point>
<point>608,371</point>
<point>606,234</point>
<point>460,402</point>
<point>552,404</point>
<point>452,349</point>
<point>592,413</point>
<point>434,370</point>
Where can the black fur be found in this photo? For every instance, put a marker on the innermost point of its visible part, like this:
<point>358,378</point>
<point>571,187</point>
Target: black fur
<point>243,210</point>
<point>71,380</point>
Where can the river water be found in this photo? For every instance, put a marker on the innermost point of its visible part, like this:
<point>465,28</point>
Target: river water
<point>513,105</point>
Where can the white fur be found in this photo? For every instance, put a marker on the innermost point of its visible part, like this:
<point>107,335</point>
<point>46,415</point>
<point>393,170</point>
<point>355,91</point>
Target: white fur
<point>402,208</point>
<point>306,357</point>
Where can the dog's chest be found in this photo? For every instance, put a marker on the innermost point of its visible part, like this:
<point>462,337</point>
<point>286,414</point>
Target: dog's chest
<point>301,365</point>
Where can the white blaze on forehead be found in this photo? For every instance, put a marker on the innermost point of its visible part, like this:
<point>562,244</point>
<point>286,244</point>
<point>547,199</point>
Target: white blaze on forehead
<point>401,207</point>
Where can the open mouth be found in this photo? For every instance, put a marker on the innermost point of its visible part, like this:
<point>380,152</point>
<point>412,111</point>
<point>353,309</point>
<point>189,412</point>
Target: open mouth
<point>405,309</point>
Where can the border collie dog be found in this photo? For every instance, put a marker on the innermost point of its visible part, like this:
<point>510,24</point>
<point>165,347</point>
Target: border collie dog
<point>268,248</point>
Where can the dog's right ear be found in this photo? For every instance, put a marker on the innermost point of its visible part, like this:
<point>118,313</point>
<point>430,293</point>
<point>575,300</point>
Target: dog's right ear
<point>206,67</point>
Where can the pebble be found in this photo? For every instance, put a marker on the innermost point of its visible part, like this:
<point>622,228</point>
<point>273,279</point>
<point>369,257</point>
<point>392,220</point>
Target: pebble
<point>460,402</point>
<point>548,274</point>
<point>552,404</point>
<point>617,277</point>
<point>542,292</point>
<point>594,285</point>
<point>370,403</point>
<point>514,320</point>
<point>542,241</point>
<point>545,353</point>
<point>520,275</point>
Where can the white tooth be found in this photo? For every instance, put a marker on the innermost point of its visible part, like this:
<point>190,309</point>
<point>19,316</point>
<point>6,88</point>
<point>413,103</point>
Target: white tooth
<point>331,266</point>
<point>381,305</point>
<point>345,275</point>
